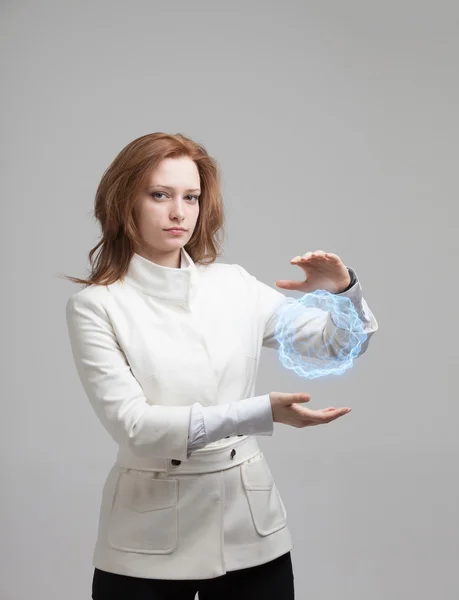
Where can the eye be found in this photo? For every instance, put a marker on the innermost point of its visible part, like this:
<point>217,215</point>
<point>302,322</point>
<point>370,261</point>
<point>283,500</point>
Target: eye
<point>160,193</point>
<point>195,197</point>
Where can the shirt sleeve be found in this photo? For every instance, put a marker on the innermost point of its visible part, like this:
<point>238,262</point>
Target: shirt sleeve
<point>197,436</point>
<point>250,416</point>
<point>114,393</point>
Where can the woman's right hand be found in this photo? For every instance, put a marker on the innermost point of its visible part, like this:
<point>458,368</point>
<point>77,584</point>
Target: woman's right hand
<point>286,409</point>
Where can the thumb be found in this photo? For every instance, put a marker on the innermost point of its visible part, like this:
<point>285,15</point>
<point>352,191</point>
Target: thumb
<point>288,284</point>
<point>300,397</point>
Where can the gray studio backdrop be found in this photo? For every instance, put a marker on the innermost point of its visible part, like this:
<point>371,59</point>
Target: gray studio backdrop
<point>336,127</point>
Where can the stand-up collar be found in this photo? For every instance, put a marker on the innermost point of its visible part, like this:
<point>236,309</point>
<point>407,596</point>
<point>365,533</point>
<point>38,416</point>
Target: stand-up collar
<point>176,285</point>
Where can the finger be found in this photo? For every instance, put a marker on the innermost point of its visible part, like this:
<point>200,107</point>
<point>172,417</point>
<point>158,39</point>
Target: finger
<point>335,414</point>
<point>301,258</point>
<point>309,257</point>
<point>320,416</point>
<point>289,284</point>
<point>314,255</point>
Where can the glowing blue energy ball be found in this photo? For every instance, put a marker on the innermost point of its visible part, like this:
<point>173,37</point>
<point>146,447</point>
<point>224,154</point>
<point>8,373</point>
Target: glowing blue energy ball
<point>298,331</point>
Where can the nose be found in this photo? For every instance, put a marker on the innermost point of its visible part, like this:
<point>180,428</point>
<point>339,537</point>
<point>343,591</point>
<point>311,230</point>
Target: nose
<point>177,211</point>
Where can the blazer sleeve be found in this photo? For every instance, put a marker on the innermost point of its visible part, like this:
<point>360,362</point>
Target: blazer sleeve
<point>114,393</point>
<point>312,327</point>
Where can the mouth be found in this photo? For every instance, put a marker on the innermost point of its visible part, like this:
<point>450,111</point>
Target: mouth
<point>177,231</point>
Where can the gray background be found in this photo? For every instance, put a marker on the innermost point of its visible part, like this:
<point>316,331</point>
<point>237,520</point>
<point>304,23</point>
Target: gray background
<point>335,125</point>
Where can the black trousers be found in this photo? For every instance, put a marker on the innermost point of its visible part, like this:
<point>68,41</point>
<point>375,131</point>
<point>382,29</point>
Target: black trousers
<point>273,580</point>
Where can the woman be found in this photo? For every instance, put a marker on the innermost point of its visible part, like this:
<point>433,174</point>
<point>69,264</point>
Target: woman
<point>166,343</point>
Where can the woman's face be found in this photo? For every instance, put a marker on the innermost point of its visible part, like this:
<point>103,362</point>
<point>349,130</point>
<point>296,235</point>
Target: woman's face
<point>171,199</point>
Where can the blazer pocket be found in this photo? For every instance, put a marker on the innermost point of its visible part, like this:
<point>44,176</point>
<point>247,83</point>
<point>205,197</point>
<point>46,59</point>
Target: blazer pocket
<point>266,506</point>
<point>144,515</point>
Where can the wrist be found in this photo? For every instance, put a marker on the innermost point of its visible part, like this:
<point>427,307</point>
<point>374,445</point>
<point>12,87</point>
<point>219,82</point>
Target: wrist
<point>352,280</point>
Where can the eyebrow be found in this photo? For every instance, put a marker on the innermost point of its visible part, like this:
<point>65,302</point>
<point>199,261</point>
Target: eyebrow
<point>170,188</point>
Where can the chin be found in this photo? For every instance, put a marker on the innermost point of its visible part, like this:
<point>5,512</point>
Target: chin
<point>174,244</point>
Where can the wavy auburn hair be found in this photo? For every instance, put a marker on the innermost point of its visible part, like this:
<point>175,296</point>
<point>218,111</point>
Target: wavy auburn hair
<point>119,189</point>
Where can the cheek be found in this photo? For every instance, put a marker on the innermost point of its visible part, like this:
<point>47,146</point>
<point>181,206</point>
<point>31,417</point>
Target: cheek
<point>153,214</point>
<point>195,212</point>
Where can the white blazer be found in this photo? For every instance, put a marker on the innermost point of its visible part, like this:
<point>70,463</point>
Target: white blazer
<point>146,349</point>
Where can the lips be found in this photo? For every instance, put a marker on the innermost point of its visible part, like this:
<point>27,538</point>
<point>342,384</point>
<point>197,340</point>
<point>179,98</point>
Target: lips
<point>176,229</point>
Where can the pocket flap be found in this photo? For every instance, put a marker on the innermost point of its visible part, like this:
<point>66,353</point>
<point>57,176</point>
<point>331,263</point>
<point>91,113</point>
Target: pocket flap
<point>256,475</point>
<point>144,494</point>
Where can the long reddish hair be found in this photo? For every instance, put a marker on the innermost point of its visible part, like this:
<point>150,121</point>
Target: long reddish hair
<point>119,189</point>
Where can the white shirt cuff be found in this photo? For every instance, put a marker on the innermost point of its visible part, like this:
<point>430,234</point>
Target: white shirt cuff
<point>250,416</point>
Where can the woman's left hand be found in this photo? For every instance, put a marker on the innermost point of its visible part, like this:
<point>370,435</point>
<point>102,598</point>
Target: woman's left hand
<point>324,271</point>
